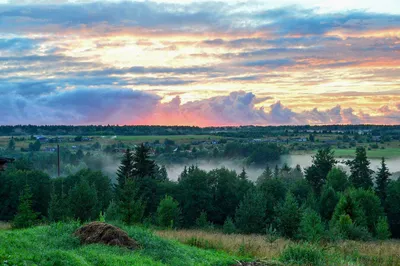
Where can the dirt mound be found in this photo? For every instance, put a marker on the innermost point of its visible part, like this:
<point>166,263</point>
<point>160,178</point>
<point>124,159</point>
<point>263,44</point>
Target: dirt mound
<point>102,233</point>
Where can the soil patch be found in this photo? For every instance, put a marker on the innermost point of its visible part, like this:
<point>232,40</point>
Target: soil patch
<point>103,233</point>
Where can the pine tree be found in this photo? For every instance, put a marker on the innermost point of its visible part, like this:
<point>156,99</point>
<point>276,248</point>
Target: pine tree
<point>316,174</point>
<point>168,213</point>
<point>361,174</point>
<point>11,144</point>
<point>130,205</point>
<point>83,201</point>
<point>276,171</point>
<point>288,216</point>
<point>25,217</point>
<point>143,166</point>
<point>250,214</point>
<point>125,171</point>
<point>267,174</point>
<point>382,181</point>
<point>243,174</point>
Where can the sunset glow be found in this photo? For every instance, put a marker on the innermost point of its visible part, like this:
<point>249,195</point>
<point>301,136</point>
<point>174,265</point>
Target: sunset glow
<point>199,63</point>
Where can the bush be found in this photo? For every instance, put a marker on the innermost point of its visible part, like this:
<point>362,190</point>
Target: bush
<point>25,217</point>
<point>202,221</point>
<point>303,255</point>
<point>288,216</point>
<point>251,213</point>
<point>349,230</point>
<point>382,229</point>
<point>229,227</point>
<point>112,212</point>
<point>311,227</point>
<point>168,212</point>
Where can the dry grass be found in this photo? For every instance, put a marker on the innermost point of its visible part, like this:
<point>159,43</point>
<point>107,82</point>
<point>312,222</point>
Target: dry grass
<point>236,244</point>
<point>4,226</point>
<point>363,253</point>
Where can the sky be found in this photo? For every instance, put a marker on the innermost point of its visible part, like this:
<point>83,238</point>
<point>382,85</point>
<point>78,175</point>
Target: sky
<point>201,63</point>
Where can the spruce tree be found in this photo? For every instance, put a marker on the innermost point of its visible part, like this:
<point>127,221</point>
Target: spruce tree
<point>83,201</point>
<point>243,174</point>
<point>267,174</point>
<point>25,216</point>
<point>276,171</point>
<point>250,215</point>
<point>131,206</point>
<point>288,216</point>
<point>143,166</point>
<point>11,144</point>
<point>322,163</point>
<point>125,171</point>
<point>382,181</point>
<point>361,174</point>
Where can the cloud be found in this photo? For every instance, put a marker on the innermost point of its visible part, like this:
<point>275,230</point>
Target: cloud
<point>126,106</point>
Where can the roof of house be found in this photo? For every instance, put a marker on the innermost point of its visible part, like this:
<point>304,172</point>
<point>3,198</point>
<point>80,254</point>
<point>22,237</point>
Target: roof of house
<point>6,160</point>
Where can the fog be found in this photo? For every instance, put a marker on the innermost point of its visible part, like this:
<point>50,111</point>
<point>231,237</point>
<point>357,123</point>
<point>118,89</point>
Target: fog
<point>304,160</point>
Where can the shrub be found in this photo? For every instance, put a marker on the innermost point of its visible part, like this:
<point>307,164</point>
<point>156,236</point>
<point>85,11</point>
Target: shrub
<point>288,216</point>
<point>311,227</point>
<point>202,221</point>
<point>168,212</point>
<point>251,213</point>
<point>112,212</point>
<point>303,254</point>
<point>382,229</point>
<point>229,227</point>
<point>25,217</point>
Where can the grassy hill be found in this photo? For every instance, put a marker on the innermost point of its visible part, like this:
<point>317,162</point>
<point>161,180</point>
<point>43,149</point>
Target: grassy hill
<point>55,245</point>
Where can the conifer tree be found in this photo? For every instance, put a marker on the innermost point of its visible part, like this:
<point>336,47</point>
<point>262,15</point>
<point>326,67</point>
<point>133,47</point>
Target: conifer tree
<point>288,216</point>
<point>83,201</point>
<point>25,216</point>
<point>143,166</point>
<point>250,214</point>
<point>276,171</point>
<point>382,181</point>
<point>130,205</point>
<point>243,174</point>
<point>322,163</point>
<point>361,174</point>
<point>125,171</point>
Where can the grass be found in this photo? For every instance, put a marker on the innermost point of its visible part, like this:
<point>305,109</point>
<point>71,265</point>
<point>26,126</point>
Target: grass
<point>4,226</point>
<point>375,153</point>
<point>342,253</point>
<point>55,245</point>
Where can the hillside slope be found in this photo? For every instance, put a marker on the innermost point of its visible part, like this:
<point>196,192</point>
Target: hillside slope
<point>55,245</point>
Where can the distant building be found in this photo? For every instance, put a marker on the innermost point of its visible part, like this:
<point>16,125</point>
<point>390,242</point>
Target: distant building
<point>4,162</point>
<point>41,138</point>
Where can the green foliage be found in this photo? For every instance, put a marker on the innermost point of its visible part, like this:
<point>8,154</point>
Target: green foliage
<point>125,171</point>
<point>311,226</point>
<point>112,212</point>
<point>370,205</point>
<point>11,145</point>
<point>131,205</point>
<point>25,217</point>
<point>202,221</point>
<point>303,255</point>
<point>382,229</point>
<point>229,226</point>
<point>58,206</point>
<point>35,146</point>
<point>83,201</point>
<point>329,199</point>
<point>348,206</point>
<point>337,179</point>
<point>273,191</point>
<point>168,213</point>
<point>288,216</point>
<point>13,181</point>
<point>361,174</point>
<point>393,207</point>
<point>382,181</point>
<point>56,245</point>
<point>271,234</point>
<point>143,166</point>
<point>250,215</point>
<point>195,194</point>
<point>102,217</point>
<point>322,164</point>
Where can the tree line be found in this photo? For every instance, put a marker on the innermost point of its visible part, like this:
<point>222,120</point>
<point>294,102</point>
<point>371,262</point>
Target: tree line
<point>322,202</point>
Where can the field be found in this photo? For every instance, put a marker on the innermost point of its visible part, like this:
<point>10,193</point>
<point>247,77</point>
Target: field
<point>374,153</point>
<point>341,253</point>
<point>55,245</point>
